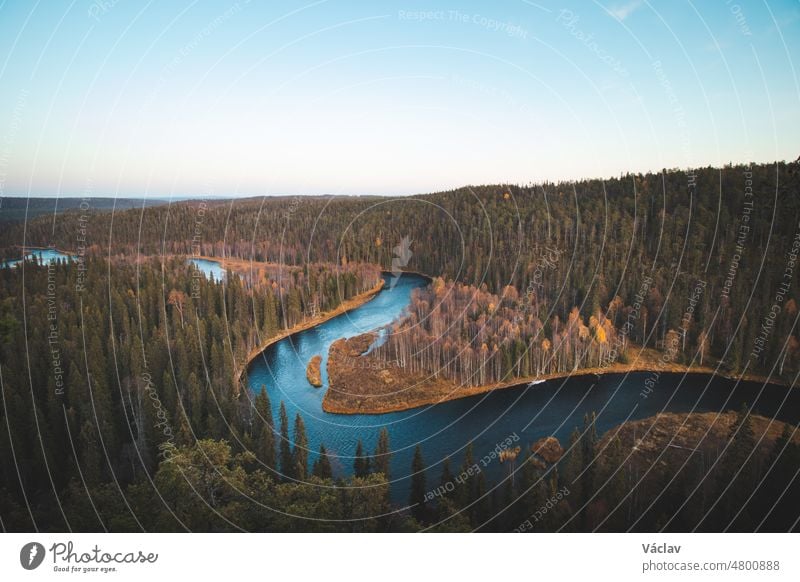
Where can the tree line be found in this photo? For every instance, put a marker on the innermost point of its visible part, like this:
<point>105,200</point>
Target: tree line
<point>594,244</point>
<point>598,485</point>
<point>120,412</point>
<point>476,338</point>
<point>111,373</point>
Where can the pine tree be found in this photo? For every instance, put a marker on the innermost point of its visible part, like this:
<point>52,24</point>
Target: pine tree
<point>482,507</point>
<point>572,463</point>
<point>287,462</point>
<point>418,486</point>
<point>466,492</point>
<point>92,461</point>
<point>264,430</point>
<point>446,480</point>
<point>361,461</point>
<point>588,464</point>
<point>322,466</point>
<point>382,454</point>
<point>300,452</point>
<point>532,488</point>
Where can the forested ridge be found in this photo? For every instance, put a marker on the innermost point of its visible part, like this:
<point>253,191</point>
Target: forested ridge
<point>120,410</point>
<point>593,244</point>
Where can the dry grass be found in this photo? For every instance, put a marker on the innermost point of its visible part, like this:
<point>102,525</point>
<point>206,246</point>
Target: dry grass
<point>364,385</point>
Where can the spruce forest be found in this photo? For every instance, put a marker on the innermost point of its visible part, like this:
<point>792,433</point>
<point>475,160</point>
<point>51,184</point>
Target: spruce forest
<point>127,406</point>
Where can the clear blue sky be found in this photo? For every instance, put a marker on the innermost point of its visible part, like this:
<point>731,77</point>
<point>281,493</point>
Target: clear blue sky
<point>118,97</point>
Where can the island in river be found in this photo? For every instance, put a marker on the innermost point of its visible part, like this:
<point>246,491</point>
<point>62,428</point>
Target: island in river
<point>308,323</point>
<point>314,371</point>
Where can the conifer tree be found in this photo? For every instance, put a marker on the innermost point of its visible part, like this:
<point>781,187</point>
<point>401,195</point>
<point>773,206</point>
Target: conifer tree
<point>361,461</point>
<point>287,462</point>
<point>588,461</point>
<point>322,466</point>
<point>446,480</point>
<point>300,452</point>
<point>264,430</point>
<point>466,492</point>
<point>418,486</point>
<point>382,454</point>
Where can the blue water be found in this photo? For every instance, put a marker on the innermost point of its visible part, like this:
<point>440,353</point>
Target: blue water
<point>550,408</point>
<point>212,269</point>
<point>43,255</point>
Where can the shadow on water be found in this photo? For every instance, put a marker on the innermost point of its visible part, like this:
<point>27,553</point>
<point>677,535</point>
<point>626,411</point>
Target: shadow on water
<point>550,408</point>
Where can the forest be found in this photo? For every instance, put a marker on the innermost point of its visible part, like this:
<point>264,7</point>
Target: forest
<point>120,405</point>
<point>103,378</point>
<point>597,245</point>
<point>474,337</point>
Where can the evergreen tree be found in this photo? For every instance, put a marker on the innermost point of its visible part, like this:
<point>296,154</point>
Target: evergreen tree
<point>92,461</point>
<point>418,486</point>
<point>264,430</point>
<point>300,452</point>
<point>532,486</point>
<point>467,492</point>
<point>446,480</point>
<point>483,504</point>
<point>322,466</point>
<point>361,461</point>
<point>588,464</point>
<point>572,464</point>
<point>382,454</point>
<point>286,458</point>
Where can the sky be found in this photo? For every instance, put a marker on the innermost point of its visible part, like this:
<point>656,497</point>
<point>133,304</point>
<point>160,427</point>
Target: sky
<point>208,98</point>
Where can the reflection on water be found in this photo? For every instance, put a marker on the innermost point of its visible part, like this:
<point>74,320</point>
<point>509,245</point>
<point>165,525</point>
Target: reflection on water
<point>444,430</point>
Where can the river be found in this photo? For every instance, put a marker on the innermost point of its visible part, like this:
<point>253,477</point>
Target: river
<point>529,413</point>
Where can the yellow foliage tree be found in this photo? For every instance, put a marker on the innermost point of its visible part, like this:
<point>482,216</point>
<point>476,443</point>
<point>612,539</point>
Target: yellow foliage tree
<point>600,334</point>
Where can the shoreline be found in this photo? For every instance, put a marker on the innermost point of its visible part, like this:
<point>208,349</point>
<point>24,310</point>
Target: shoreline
<point>26,248</point>
<point>457,392</point>
<point>522,382</point>
<point>344,307</point>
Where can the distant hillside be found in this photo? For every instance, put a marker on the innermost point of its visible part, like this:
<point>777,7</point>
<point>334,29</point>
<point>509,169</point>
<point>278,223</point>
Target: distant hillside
<point>699,262</point>
<point>13,209</point>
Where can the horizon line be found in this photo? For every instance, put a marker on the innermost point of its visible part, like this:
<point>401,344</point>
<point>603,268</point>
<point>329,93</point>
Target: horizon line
<point>244,196</point>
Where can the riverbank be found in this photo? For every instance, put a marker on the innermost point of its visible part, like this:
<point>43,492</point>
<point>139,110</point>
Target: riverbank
<point>344,307</point>
<point>367,386</point>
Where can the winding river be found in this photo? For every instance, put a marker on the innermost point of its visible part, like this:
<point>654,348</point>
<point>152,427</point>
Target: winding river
<point>529,413</point>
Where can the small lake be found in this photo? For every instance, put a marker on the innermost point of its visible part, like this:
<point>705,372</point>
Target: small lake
<point>550,408</point>
<point>211,269</point>
<point>42,255</point>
